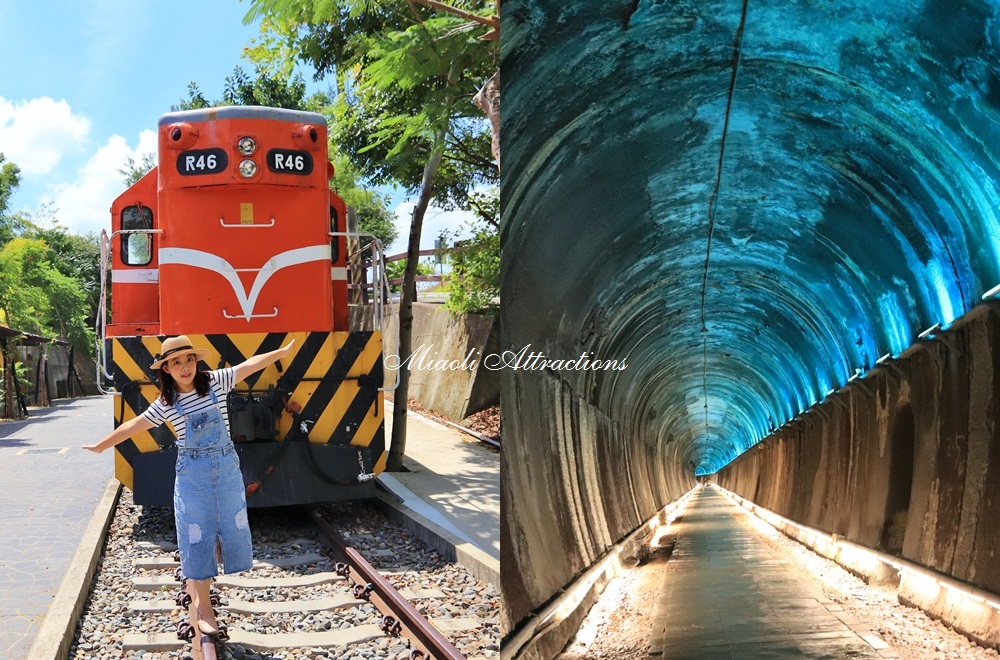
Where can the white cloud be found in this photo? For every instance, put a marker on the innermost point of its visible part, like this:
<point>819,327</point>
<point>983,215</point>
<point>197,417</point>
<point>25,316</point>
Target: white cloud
<point>436,220</point>
<point>36,134</point>
<point>83,205</point>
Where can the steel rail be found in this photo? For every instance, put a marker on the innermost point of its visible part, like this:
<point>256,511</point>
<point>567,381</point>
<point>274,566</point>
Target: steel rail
<point>385,597</point>
<point>485,439</point>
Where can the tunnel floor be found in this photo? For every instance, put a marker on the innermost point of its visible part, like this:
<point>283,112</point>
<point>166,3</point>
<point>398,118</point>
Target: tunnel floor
<point>728,595</point>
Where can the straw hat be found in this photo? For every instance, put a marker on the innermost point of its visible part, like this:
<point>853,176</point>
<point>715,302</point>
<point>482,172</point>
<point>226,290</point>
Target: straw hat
<point>179,345</point>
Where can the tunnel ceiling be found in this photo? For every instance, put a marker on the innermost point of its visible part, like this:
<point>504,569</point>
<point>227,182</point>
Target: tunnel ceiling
<point>750,203</point>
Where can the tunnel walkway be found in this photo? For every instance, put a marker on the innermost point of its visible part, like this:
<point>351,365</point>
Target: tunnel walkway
<point>728,595</point>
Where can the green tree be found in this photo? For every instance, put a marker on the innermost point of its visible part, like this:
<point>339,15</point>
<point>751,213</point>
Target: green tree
<point>131,171</point>
<point>267,88</point>
<point>77,256</point>
<point>485,205</point>
<point>374,215</point>
<point>395,270</point>
<point>37,297</point>
<point>474,285</point>
<point>10,179</point>
<point>487,98</point>
<point>48,277</point>
<point>405,82</point>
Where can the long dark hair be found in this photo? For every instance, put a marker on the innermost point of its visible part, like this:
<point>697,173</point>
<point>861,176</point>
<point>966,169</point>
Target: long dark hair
<point>168,390</point>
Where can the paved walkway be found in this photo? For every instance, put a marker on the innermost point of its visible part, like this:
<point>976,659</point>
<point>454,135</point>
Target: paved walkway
<point>48,493</point>
<point>727,595</point>
<point>454,480</point>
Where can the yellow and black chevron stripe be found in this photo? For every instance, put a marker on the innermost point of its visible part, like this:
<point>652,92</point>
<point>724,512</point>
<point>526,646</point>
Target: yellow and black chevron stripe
<point>333,376</point>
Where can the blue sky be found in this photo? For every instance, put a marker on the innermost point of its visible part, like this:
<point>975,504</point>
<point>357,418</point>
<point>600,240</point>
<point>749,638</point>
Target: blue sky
<point>84,83</point>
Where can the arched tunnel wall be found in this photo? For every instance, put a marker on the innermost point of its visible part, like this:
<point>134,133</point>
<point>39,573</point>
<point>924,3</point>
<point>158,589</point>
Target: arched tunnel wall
<point>904,461</point>
<point>762,207</point>
<point>573,485</point>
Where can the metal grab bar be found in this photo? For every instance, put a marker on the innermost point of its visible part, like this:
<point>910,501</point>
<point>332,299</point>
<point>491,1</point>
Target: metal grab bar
<point>131,231</point>
<point>250,316</point>
<point>100,325</point>
<point>101,322</point>
<point>222,221</point>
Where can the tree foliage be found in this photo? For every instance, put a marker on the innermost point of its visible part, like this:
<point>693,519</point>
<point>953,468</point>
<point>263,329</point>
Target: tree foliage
<point>132,171</point>
<point>76,256</point>
<point>10,179</point>
<point>400,70</point>
<point>265,88</point>
<point>395,270</point>
<point>405,78</point>
<point>48,277</point>
<point>374,215</point>
<point>36,297</point>
<point>474,285</point>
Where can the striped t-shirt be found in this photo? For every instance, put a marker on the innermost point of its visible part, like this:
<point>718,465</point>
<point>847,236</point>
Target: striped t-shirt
<point>220,380</point>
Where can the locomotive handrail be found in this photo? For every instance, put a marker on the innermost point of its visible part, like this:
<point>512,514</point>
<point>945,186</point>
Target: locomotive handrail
<point>101,321</point>
<point>378,266</point>
<point>100,326</point>
<point>222,221</point>
<point>132,231</point>
<point>378,275</point>
<point>250,316</point>
<point>267,266</point>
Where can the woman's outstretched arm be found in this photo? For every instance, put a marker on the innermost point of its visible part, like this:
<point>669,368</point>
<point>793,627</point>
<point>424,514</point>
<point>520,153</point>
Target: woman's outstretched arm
<point>121,434</point>
<point>258,362</point>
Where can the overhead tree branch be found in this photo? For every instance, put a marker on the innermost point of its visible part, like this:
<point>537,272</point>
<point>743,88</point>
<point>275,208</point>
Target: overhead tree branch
<point>488,21</point>
<point>483,212</point>
<point>470,156</point>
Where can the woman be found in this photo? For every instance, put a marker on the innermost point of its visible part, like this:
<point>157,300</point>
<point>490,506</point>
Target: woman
<point>209,498</point>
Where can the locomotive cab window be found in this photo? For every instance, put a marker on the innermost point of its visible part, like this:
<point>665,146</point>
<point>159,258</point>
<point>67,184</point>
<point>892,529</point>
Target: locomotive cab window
<point>136,249</point>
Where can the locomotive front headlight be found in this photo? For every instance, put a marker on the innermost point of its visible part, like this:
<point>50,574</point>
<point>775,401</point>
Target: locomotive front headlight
<point>246,145</point>
<point>247,168</point>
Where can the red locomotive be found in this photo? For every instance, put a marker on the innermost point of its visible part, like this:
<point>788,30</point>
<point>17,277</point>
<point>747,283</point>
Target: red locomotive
<point>235,240</point>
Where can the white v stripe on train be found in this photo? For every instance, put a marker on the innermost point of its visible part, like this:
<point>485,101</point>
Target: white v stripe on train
<point>216,264</point>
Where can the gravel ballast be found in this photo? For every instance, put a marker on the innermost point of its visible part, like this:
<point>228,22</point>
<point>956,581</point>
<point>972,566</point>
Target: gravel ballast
<point>148,532</point>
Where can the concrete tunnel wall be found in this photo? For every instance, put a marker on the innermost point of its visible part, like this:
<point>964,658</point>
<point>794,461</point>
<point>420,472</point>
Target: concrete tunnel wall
<point>754,204</point>
<point>574,484</point>
<point>906,461</point>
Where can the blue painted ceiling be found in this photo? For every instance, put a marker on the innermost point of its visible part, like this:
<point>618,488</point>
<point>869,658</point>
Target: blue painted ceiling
<point>750,202</point>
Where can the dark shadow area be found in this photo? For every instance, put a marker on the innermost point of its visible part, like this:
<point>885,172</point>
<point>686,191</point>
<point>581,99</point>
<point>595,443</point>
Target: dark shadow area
<point>900,481</point>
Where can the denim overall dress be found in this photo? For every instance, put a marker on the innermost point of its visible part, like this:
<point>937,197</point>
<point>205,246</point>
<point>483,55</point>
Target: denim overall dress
<point>209,498</point>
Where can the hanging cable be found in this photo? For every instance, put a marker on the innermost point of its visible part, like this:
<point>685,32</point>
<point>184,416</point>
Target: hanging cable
<point>713,200</point>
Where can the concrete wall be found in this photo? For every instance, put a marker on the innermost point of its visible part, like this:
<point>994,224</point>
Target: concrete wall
<point>57,371</point>
<point>906,460</point>
<point>575,482</point>
<point>440,337</point>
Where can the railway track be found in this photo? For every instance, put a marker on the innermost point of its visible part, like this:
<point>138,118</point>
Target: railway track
<point>399,616</point>
<point>308,594</point>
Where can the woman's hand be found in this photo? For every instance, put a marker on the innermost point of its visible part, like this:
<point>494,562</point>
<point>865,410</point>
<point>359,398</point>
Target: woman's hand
<point>258,362</point>
<point>120,434</point>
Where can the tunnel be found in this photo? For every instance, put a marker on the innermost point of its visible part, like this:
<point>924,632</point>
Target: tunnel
<point>755,244</point>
